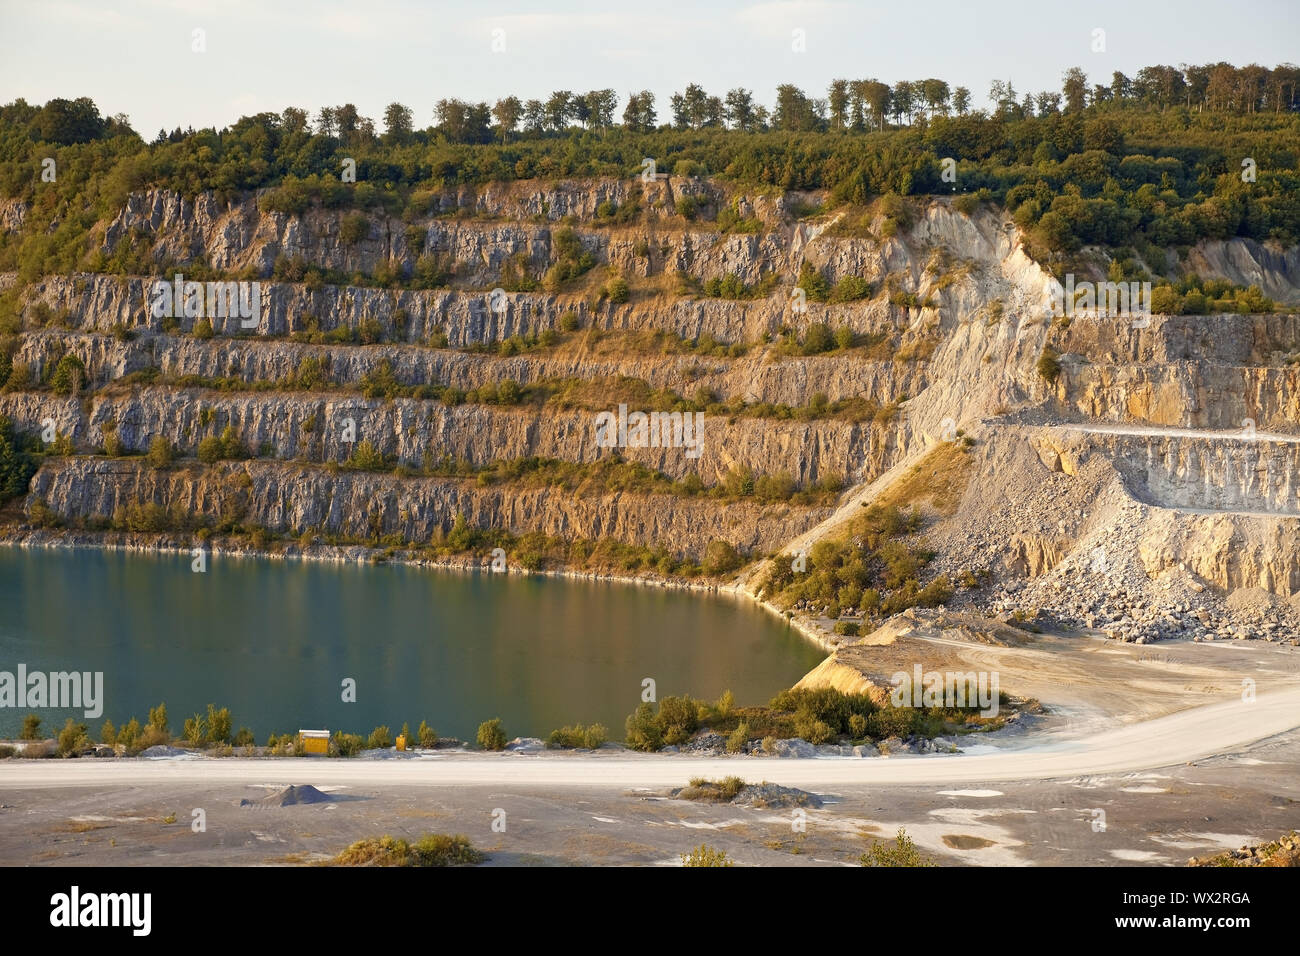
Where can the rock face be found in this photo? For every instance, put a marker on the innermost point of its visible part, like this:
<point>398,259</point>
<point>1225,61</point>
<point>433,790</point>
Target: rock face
<point>316,428</point>
<point>787,382</point>
<point>295,499</point>
<point>1219,371</point>
<point>1133,486</point>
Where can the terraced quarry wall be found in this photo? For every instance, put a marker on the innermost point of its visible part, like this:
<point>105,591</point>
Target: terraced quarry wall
<point>316,428</point>
<point>296,500</point>
<point>948,338</point>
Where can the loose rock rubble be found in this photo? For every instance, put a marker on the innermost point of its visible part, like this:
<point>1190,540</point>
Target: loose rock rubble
<point>1283,852</point>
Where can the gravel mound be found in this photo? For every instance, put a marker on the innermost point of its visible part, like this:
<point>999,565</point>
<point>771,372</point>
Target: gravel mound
<point>162,750</point>
<point>290,796</point>
<point>705,743</point>
<point>769,796</point>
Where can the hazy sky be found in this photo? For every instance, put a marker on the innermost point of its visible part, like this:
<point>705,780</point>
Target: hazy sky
<point>135,57</point>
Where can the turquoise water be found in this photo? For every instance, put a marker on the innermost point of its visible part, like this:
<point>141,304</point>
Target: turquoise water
<point>274,641</point>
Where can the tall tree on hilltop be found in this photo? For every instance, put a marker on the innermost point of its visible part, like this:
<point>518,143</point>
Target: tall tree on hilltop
<point>1074,84</point>
<point>507,113</point>
<point>397,123</point>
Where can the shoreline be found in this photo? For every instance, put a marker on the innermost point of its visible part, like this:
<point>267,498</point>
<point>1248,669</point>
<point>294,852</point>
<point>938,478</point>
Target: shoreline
<point>162,543</point>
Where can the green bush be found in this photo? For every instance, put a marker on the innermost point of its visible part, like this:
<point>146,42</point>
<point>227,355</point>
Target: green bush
<point>158,717</point>
<point>714,791</point>
<point>902,853</point>
<point>195,731</point>
<point>617,291</point>
<point>433,850</point>
<point>571,738</point>
<point>129,734</point>
<point>19,377</point>
<point>74,737</point>
<point>438,849</point>
<point>17,465</point>
<point>210,449</point>
<point>738,738</point>
<point>892,722</point>
<point>491,735</point>
<point>705,855</point>
<point>428,737</point>
<point>219,724</point>
<point>674,723</point>
<point>69,376</point>
<point>720,557</point>
<point>1049,366</point>
<point>813,730</point>
<point>31,728</point>
<point>353,228</point>
<point>347,745</point>
<point>850,289</point>
<point>365,457</point>
<point>160,453</point>
<point>813,283</point>
<point>381,738</point>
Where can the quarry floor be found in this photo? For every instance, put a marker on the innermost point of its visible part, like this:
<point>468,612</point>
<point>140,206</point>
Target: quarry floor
<point>1146,818</point>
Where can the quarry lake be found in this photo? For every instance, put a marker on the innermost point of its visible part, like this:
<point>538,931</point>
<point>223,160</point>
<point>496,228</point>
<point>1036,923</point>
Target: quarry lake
<point>274,641</point>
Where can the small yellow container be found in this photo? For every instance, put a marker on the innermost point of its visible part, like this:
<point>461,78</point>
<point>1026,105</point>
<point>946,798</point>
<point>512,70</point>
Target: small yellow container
<point>315,741</point>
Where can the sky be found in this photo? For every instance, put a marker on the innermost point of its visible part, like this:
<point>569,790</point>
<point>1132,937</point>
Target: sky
<point>138,57</point>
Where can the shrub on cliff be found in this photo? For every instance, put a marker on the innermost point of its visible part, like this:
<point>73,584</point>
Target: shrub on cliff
<point>813,283</point>
<point>720,557</point>
<point>617,290</point>
<point>19,377</point>
<point>1049,366</point>
<point>16,465</point>
<point>850,289</point>
<point>69,376</point>
<point>210,450</point>
<point>160,453</point>
<point>353,228</point>
<point>365,457</point>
